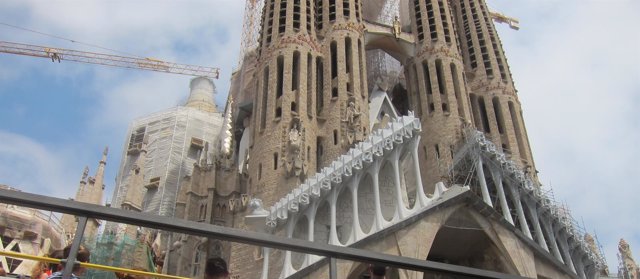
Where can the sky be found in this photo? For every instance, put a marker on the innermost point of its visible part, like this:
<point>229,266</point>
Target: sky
<point>576,65</point>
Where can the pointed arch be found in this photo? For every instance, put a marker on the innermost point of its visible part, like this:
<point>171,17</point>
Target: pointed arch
<point>462,240</point>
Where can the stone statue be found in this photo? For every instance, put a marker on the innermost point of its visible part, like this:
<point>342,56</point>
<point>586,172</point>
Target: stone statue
<point>352,120</point>
<point>294,162</point>
<point>294,137</point>
<point>296,165</point>
<point>397,28</point>
<point>352,114</point>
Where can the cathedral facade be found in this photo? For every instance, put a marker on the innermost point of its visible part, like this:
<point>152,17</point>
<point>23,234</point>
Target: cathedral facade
<point>319,143</point>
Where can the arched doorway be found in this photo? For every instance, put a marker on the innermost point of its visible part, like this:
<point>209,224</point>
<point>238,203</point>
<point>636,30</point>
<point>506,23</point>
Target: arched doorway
<point>462,241</point>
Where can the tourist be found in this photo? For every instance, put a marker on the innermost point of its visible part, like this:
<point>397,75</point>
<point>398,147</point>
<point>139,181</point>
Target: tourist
<point>2,272</point>
<point>377,271</point>
<point>216,268</point>
<point>53,267</point>
<point>82,256</point>
<point>39,271</point>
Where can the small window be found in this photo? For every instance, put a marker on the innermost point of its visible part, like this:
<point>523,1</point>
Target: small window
<point>445,108</point>
<point>275,161</point>
<point>335,137</point>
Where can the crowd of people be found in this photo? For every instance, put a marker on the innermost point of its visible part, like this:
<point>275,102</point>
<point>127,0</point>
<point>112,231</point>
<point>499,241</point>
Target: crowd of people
<point>215,268</point>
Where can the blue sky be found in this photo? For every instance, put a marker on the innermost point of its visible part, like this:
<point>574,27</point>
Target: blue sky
<point>575,63</point>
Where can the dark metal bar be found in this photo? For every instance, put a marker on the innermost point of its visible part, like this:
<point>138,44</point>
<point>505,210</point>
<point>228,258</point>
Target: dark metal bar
<point>236,235</point>
<point>75,245</point>
<point>333,269</point>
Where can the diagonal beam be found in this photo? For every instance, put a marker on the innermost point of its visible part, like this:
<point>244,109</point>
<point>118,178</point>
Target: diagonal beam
<point>236,235</point>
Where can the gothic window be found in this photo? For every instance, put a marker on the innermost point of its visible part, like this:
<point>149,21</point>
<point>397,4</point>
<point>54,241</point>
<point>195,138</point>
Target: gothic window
<point>319,152</point>
<point>346,12</point>
<point>265,94</point>
<point>363,76</point>
<point>483,115</point>
<point>456,89</point>
<point>309,85</point>
<point>347,53</point>
<point>418,13</point>
<point>282,23</point>
<point>270,21</point>
<point>332,10</point>
<point>308,15</point>
<point>427,77</point>
<point>349,62</point>
<point>275,161</point>
<point>475,111</point>
<point>440,76</point>
<point>517,128</point>
<point>319,14</point>
<point>445,108</point>
<point>445,22</point>
<point>280,86</point>
<point>432,21</point>
<point>498,112</point>
<point>295,70</point>
<point>198,259</point>
<point>296,15</point>
<point>334,59</point>
<point>319,85</point>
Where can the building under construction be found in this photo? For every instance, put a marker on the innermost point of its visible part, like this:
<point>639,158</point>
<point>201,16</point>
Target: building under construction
<point>387,125</point>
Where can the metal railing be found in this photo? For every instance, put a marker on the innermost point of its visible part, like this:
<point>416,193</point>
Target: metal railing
<point>85,211</point>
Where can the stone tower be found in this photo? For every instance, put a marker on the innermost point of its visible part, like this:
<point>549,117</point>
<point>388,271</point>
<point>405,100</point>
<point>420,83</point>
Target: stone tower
<point>311,94</point>
<point>628,269</point>
<point>174,139</point>
<point>494,101</point>
<point>90,190</point>
<point>438,91</point>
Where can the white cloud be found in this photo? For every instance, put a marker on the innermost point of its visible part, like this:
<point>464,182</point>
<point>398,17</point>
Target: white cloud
<point>33,167</point>
<point>577,70</point>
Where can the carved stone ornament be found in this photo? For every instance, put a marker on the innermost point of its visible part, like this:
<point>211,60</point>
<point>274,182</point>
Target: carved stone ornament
<point>294,162</point>
<point>351,122</point>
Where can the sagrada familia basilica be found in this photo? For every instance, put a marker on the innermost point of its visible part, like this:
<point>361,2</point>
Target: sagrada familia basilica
<point>321,141</point>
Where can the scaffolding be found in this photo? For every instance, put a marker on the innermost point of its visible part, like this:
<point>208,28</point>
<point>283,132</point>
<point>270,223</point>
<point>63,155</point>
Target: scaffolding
<point>251,28</point>
<point>121,251</point>
<point>462,170</point>
<point>176,140</point>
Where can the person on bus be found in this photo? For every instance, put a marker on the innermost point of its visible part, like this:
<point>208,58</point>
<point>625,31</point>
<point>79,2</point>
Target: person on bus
<point>83,256</point>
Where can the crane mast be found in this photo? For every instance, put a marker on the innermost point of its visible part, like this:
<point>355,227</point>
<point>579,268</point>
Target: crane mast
<point>149,64</point>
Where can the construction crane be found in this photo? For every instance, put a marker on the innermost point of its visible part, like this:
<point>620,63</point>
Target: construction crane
<point>150,64</point>
<point>502,18</point>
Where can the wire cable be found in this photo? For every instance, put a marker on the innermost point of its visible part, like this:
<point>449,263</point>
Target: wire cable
<point>67,39</point>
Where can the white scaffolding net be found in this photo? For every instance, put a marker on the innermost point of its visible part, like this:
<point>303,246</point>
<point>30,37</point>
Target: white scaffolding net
<point>175,141</point>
